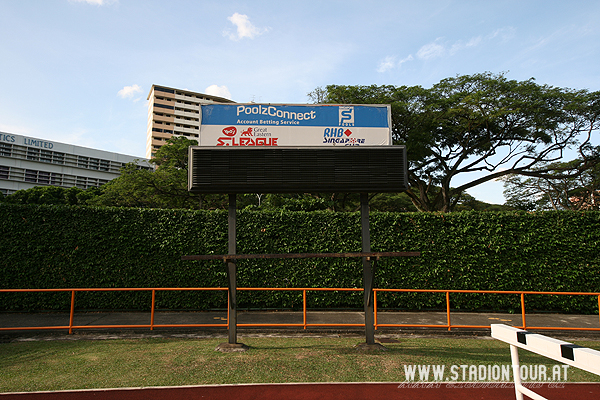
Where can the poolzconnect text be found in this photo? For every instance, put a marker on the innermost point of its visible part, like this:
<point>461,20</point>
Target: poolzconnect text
<point>272,111</point>
<point>480,373</point>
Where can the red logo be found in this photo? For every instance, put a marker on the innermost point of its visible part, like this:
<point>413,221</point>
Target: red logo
<point>348,132</point>
<point>230,131</point>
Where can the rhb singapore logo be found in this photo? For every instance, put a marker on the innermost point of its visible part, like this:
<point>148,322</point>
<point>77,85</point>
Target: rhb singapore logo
<point>341,136</point>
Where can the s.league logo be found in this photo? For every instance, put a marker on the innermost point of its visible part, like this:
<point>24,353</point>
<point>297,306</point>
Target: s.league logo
<point>346,116</point>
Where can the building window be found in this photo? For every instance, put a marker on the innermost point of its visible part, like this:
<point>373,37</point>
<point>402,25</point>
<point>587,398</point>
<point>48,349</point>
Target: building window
<point>33,154</point>
<point>91,182</point>
<point>94,163</point>
<point>82,162</point>
<point>43,177</point>
<point>4,171</point>
<point>46,156</point>
<point>55,179</point>
<point>5,149</point>
<point>30,176</point>
<point>162,89</point>
<point>58,158</point>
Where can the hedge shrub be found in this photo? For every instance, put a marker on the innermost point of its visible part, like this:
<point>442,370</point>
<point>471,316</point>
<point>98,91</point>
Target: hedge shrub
<point>76,247</point>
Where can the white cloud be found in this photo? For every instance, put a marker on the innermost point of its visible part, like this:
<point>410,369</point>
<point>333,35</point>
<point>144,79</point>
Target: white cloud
<point>476,41</point>
<point>220,91</point>
<point>390,63</point>
<point>460,45</point>
<point>431,50</point>
<point>387,64</point>
<point>504,34</point>
<point>441,48</point>
<point>129,91</point>
<point>438,48</point>
<point>406,59</point>
<point>245,29</point>
<point>95,2</point>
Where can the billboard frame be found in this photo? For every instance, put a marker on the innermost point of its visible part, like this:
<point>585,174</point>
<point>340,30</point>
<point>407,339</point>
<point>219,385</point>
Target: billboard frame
<point>262,118</point>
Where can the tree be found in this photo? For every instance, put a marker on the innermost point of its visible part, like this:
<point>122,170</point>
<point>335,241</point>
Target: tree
<point>164,187</point>
<point>485,124</point>
<point>54,195</point>
<point>466,202</point>
<point>581,192</point>
<point>318,96</point>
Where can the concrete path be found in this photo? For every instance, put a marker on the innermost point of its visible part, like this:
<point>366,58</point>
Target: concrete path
<point>328,321</point>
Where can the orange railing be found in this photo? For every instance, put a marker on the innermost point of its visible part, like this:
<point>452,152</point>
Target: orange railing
<point>304,323</point>
<point>449,324</point>
<point>151,325</point>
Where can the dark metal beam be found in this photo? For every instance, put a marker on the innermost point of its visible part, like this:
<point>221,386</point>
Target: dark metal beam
<point>369,254</point>
<point>368,271</point>
<point>231,270</point>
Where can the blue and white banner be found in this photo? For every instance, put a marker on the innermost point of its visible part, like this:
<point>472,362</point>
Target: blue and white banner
<point>295,125</point>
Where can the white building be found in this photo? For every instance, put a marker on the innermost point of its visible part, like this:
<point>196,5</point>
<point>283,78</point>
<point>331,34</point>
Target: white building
<point>26,162</point>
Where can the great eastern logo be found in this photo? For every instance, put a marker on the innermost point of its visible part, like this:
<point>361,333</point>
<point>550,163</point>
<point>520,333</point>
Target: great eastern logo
<point>248,137</point>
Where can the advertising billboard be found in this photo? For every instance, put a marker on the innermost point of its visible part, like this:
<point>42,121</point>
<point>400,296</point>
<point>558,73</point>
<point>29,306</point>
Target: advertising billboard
<point>295,125</point>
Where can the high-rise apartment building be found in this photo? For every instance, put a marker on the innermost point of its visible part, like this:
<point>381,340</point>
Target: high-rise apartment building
<point>174,112</point>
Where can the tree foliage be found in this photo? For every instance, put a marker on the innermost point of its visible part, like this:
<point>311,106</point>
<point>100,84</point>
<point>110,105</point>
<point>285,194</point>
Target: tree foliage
<point>163,187</point>
<point>55,195</point>
<point>483,124</point>
<point>580,192</point>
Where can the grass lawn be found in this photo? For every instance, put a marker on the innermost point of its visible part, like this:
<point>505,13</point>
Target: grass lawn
<point>81,364</point>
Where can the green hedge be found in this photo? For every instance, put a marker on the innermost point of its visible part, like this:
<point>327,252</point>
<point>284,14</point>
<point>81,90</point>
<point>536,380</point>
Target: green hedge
<point>73,247</point>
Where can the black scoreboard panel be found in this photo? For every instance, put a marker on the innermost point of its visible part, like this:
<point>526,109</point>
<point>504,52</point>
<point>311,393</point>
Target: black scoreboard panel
<point>345,169</point>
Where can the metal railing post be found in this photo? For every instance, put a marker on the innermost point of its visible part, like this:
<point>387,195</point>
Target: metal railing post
<point>304,307</point>
<point>523,309</point>
<point>71,315</point>
<point>152,311</point>
<point>375,307</point>
<point>448,309</point>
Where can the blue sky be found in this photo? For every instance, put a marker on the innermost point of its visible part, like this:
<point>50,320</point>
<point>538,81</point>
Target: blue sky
<point>79,71</point>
